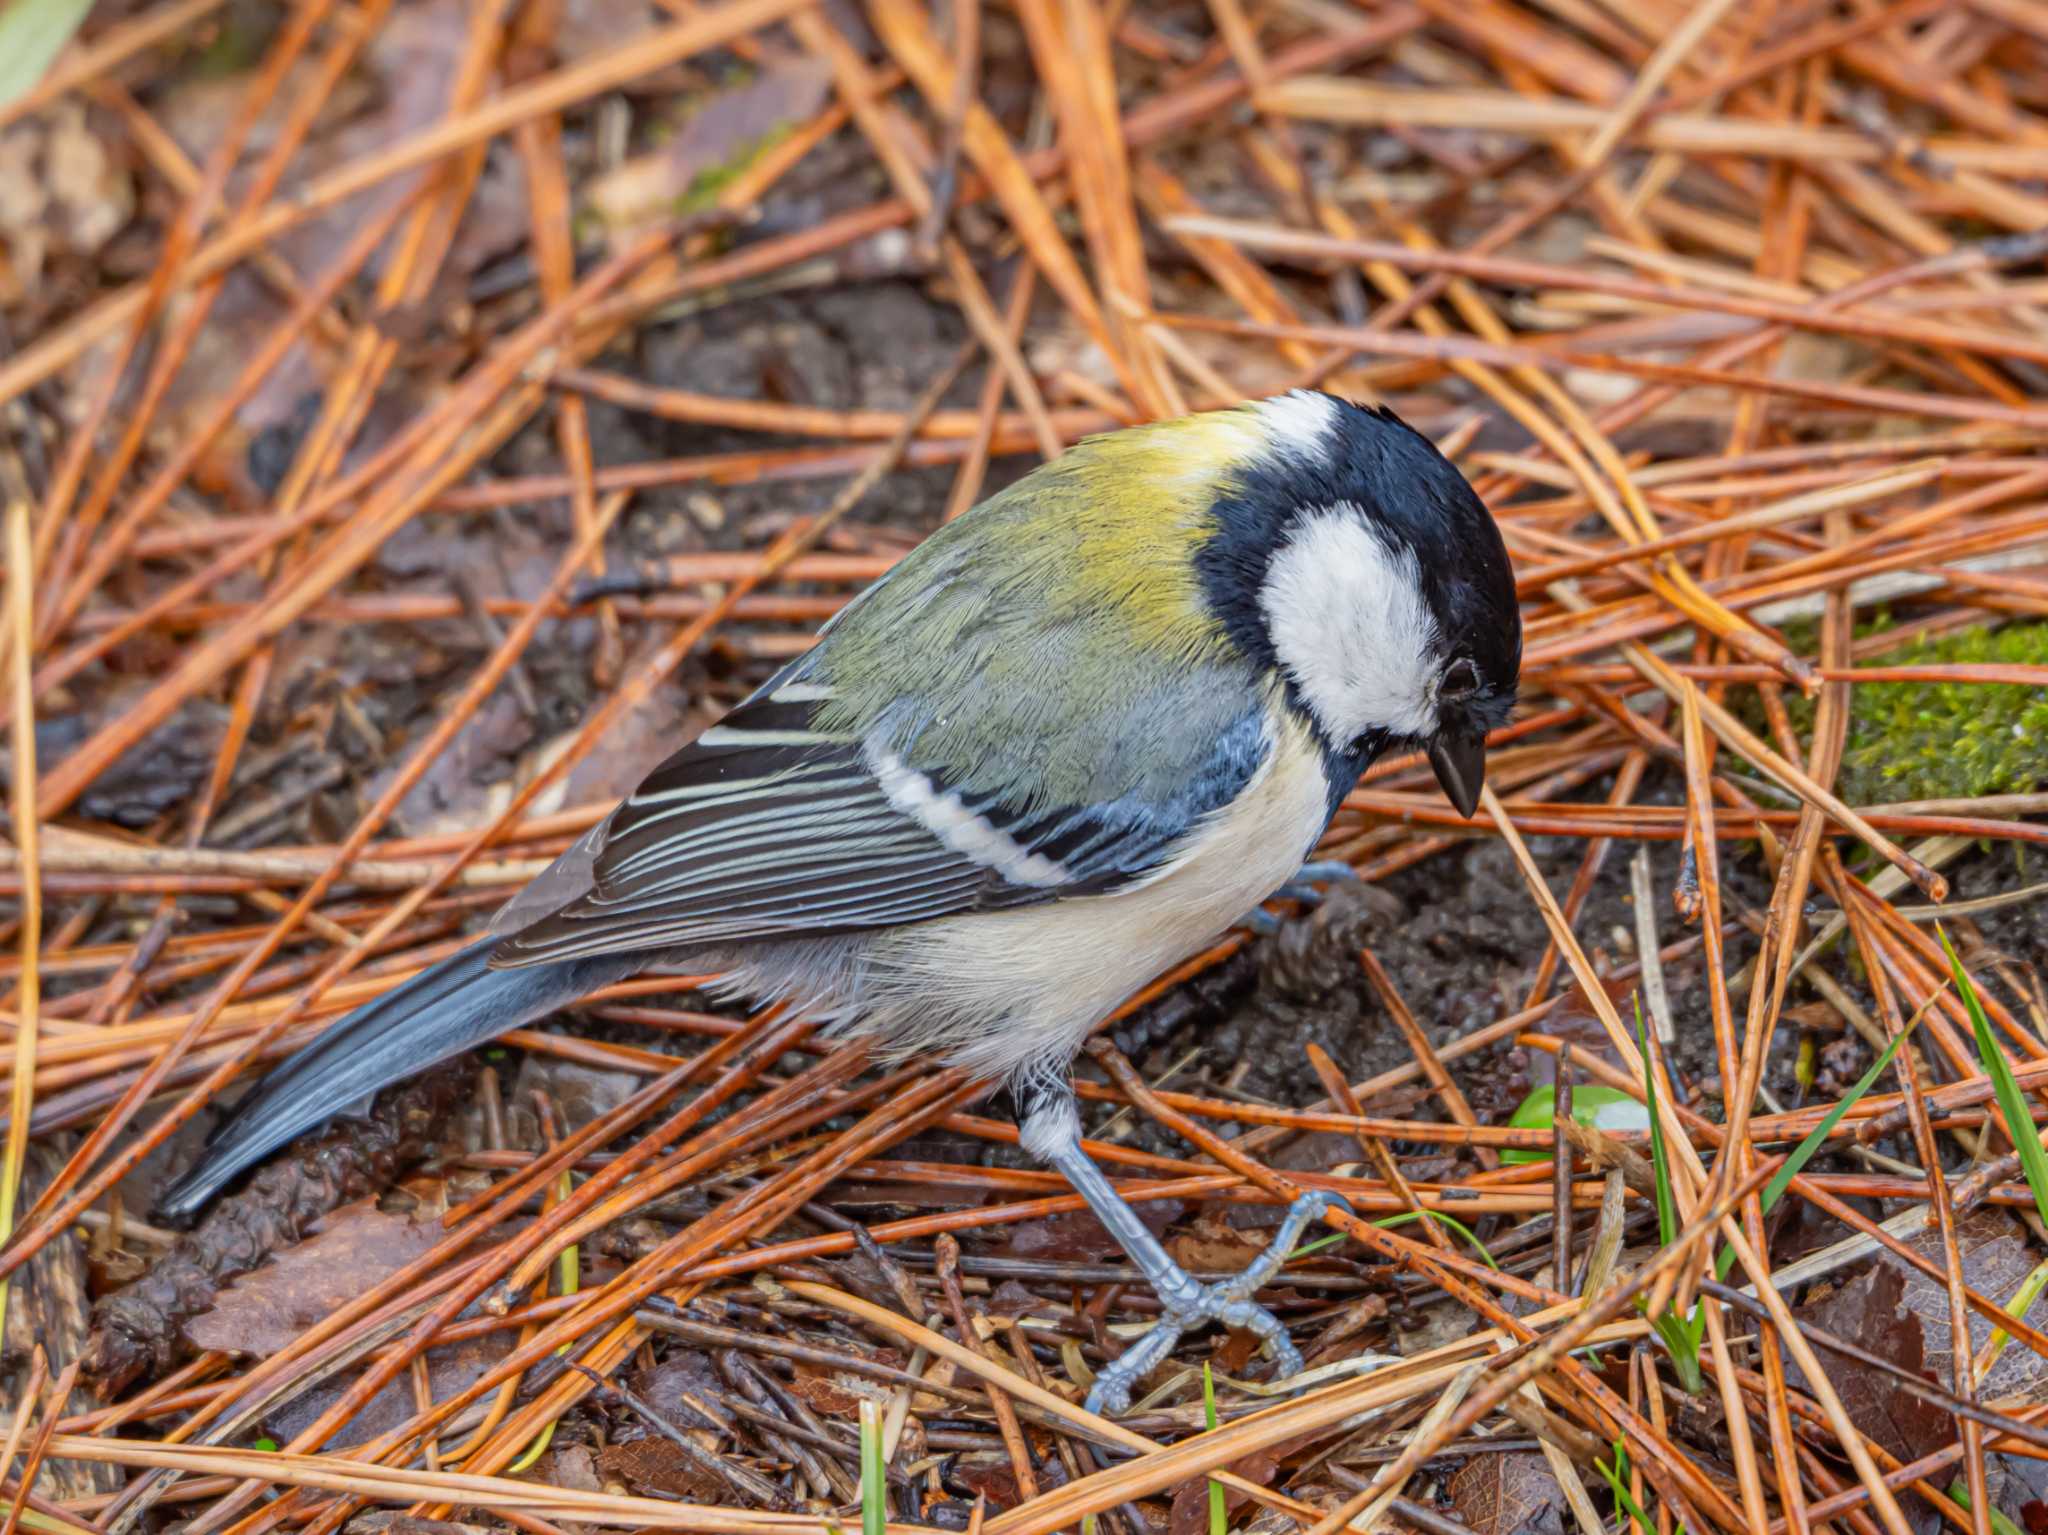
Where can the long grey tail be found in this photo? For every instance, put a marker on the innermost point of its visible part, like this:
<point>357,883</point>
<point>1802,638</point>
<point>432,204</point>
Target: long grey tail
<point>440,1012</point>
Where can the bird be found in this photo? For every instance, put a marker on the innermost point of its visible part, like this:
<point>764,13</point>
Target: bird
<point>1067,741</point>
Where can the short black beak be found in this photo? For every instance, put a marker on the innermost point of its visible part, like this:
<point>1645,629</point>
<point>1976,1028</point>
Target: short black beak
<point>1459,757</point>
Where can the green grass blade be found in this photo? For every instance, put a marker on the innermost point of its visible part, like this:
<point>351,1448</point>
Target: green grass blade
<point>1781,1180</point>
<point>1680,1336</point>
<point>1681,1340</point>
<point>1959,1494</point>
<point>2021,1303</point>
<point>1219,1513</point>
<point>1804,1152</point>
<point>1390,1221</point>
<point>42,1524</point>
<point>2012,1103</point>
<point>568,1278</point>
<point>1617,1483</point>
<point>1660,1159</point>
<point>874,1474</point>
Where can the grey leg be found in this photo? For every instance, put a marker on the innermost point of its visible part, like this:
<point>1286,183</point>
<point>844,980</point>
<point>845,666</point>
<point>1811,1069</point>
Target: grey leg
<point>1301,888</point>
<point>1052,1133</point>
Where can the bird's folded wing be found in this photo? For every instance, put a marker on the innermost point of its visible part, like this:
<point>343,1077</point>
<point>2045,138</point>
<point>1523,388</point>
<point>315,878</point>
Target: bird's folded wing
<point>766,826</point>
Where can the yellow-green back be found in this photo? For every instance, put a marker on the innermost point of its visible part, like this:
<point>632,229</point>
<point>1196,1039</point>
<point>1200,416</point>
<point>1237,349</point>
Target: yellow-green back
<point>1067,608</point>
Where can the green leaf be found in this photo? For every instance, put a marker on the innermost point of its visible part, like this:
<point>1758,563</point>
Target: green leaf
<point>2012,1103</point>
<point>267,1445</point>
<point>1219,1513</point>
<point>32,34</point>
<point>1593,1105</point>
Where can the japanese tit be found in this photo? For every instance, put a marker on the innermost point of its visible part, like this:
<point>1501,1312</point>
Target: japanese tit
<point>1068,740</point>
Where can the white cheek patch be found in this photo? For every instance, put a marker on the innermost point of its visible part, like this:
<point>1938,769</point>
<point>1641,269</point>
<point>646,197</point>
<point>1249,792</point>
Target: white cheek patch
<point>1350,628</point>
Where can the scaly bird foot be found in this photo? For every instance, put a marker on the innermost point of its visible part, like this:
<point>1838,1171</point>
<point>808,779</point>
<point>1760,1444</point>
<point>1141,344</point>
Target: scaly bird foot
<point>1188,1303</point>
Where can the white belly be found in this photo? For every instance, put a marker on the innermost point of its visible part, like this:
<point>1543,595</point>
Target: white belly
<point>1018,991</point>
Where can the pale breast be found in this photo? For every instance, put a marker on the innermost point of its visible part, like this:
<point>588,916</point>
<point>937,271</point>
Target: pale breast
<point>1016,991</point>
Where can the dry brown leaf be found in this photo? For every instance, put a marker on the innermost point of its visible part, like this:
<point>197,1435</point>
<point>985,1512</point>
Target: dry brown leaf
<point>1508,1495</point>
<point>656,1465</point>
<point>1213,1245</point>
<point>348,1254</point>
<point>839,1393</point>
<point>1902,1315</point>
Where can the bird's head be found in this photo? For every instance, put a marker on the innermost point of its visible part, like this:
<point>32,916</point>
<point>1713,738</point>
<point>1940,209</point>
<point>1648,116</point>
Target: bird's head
<point>1356,561</point>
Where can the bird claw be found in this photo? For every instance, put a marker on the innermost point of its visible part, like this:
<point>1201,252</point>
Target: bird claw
<point>1188,1304</point>
<point>1259,922</point>
<point>1301,889</point>
<point>1322,871</point>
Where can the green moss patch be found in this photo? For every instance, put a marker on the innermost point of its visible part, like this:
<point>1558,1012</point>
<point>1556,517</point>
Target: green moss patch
<point>1945,740</point>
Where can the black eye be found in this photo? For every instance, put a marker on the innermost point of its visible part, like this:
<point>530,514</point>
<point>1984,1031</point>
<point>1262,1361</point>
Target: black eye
<point>1461,680</point>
